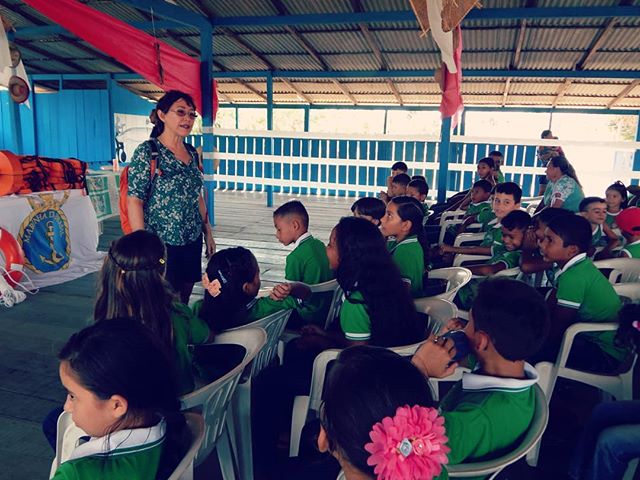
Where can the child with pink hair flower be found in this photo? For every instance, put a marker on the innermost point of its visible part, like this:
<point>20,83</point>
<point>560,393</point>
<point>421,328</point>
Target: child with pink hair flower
<point>381,425</point>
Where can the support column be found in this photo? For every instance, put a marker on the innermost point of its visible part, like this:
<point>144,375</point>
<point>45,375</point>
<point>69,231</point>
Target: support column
<point>269,165</point>
<point>206,85</point>
<point>444,154</point>
<point>112,122</point>
<point>636,157</point>
<point>306,118</point>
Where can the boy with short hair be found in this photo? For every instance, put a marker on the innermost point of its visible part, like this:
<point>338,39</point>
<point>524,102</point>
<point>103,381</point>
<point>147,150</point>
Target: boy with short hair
<point>396,169</point>
<point>398,186</point>
<point>498,158</point>
<point>488,411</point>
<point>479,208</point>
<point>369,208</point>
<point>506,199</point>
<point>514,227</point>
<point>630,228</point>
<point>582,294</point>
<point>308,262</point>
<point>594,209</point>
<point>419,189</point>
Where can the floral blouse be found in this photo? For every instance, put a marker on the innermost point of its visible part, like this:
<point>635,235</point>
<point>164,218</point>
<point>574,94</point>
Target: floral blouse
<point>171,207</point>
<point>565,189</point>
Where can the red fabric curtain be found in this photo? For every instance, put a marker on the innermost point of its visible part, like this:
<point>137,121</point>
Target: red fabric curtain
<point>451,104</point>
<point>156,61</point>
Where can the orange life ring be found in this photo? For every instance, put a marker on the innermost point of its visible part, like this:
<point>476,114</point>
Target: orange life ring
<point>13,257</point>
<point>10,173</point>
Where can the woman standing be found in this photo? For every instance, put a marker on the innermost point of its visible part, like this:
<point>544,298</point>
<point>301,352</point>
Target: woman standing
<point>171,203</point>
<point>564,189</point>
<point>545,154</point>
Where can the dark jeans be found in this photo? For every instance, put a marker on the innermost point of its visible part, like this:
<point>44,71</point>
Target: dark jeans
<point>610,440</point>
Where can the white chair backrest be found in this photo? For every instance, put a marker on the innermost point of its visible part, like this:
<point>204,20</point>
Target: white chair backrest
<point>440,311</point>
<point>623,270</point>
<point>456,278</point>
<point>336,300</point>
<point>451,215</point>
<point>318,376</point>
<point>213,399</point>
<point>628,290</point>
<point>184,470</point>
<point>67,436</point>
<point>531,437</point>
<point>273,325</point>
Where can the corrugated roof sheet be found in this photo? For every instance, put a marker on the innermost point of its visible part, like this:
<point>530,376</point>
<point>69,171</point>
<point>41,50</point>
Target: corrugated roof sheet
<point>352,61</point>
<point>559,38</point>
<point>408,40</point>
<point>337,42</point>
<point>615,61</point>
<point>549,60</point>
<point>622,38</point>
<point>301,7</point>
<point>283,43</point>
<point>411,61</point>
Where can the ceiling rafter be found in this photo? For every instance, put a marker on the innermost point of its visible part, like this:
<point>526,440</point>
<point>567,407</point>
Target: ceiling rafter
<point>48,55</point>
<point>505,94</point>
<point>624,93</point>
<point>561,92</point>
<point>517,53</point>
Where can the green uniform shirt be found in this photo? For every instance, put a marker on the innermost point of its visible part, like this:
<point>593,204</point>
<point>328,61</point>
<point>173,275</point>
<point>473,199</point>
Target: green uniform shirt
<point>581,286</point>
<point>486,416</point>
<point>633,249</point>
<point>124,455</point>
<point>257,308</point>
<point>596,236</point>
<point>187,329</point>
<point>354,319</point>
<point>308,263</point>
<point>409,257</point>
<point>493,237</point>
<point>611,220</point>
<point>500,178</point>
<point>477,208</point>
<point>565,189</point>
<point>485,217</point>
<point>171,208</point>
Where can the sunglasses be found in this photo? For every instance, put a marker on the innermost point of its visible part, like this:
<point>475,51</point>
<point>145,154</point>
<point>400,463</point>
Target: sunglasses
<point>182,113</point>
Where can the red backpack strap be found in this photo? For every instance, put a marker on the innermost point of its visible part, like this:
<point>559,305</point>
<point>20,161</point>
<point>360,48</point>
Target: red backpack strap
<point>155,157</point>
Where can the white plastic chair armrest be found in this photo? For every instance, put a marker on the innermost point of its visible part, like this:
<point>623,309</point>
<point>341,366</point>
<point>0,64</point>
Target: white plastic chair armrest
<point>575,329</point>
<point>467,238</point>
<point>463,257</point>
<point>298,419</point>
<point>453,214</point>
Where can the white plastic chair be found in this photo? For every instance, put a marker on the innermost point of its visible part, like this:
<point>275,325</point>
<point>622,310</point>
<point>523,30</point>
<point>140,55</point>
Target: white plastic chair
<point>530,439</point>
<point>440,311</point>
<point>623,270</point>
<point>628,290</point>
<point>213,399</point>
<point>451,215</point>
<point>618,385</point>
<point>69,434</point>
<point>462,258</point>
<point>239,418</point>
<point>456,277</point>
<point>468,239</point>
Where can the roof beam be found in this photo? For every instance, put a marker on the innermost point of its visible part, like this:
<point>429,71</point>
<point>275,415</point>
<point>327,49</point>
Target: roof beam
<point>299,92</point>
<point>409,16</point>
<point>505,94</point>
<point>345,91</point>
<point>498,73</point>
<point>561,91</point>
<point>46,54</point>
<point>246,47</point>
<point>175,13</point>
<point>623,94</point>
<point>515,61</point>
<point>596,43</point>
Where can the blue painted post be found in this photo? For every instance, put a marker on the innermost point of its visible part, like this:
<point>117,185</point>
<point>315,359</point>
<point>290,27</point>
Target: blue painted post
<point>384,128</point>
<point>206,84</point>
<point>269,165</point>
<point>112,122</point>
<point>16,127</point>
<point>636,156</point>
<point>444,154</point>
<point>306,118</point>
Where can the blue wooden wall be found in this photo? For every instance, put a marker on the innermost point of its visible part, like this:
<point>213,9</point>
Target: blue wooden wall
<point>68,123</point>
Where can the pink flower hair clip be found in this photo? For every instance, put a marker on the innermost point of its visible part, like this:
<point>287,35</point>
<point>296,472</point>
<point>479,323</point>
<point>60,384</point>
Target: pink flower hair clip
<point>411,445</point>
<point>636,324</point>
<point>213,287</point>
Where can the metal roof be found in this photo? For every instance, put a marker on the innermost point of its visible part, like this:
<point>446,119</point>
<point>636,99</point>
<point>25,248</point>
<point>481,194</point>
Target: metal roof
<point>555,52</point>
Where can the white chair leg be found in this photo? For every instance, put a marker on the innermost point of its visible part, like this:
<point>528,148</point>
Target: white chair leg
<point>631,470</point>
<point>546,374</point>
<point>298,419</point>
<point>239,421</point>
<point>225,456</point>
<point>435,389</point>
<point>627,385</point>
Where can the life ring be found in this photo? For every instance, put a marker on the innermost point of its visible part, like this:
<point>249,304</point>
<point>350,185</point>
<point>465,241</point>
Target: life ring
<point>13,257</point>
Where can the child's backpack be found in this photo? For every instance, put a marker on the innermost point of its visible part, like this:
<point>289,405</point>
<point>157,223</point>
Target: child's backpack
<point>155,172</point>
<point>124,186</point>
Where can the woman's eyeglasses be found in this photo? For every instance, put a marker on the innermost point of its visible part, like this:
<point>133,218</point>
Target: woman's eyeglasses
<point>182,113</point>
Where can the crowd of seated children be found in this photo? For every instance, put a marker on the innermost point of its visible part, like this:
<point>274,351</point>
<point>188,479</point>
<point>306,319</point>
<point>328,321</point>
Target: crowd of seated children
<point>506,198</point>
<point>307,262</point>
<point>396,169</point>
<point>611,437</point>
<point>594,209</point>
<point>629,223</point>
<point>532,262</point>
<point>581,294</point>
<point>369,208</point>
<point>514,227</point>
<point>231,283</point>
<point>406,240</point>
<point>487,412</point>
<point>419,190</point>
<point>377,310</point>
<point>119,393</point>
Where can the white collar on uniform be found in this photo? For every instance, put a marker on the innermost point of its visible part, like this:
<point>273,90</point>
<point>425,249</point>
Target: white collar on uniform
<point>301,239</point>
<point>578,258</point>
<point>615,214</point>
<point>599,229</point>
<point>410,239</point>
<point>475,382</point>
<point>138,438</point>
<point>480,203</point>
<point>634,243</point>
